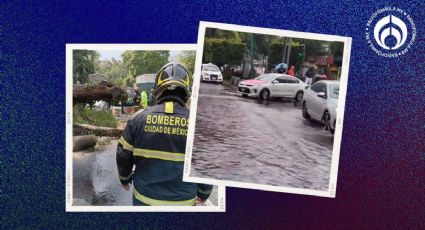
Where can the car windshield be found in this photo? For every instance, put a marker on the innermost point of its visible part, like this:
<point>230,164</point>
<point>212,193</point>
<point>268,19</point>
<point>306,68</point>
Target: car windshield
<point>334,91</point>
<point>211,68</point>
<point>266,77</point>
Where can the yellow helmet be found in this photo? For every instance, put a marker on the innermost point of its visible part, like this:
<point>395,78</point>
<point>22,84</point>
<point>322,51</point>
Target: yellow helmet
<point>173,78</point>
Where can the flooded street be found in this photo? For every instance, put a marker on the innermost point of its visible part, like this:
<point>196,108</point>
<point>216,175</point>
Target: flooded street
<point>244,140</point>
<point>95,179</point>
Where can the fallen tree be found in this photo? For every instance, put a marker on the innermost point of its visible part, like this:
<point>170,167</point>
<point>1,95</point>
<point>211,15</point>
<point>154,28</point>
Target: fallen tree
<point>82,129</point>
<point>104,91</point>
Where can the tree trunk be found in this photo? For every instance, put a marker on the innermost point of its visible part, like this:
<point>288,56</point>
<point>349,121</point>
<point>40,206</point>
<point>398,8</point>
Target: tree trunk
<point>83,129</point>
<point>104,91</point>
<point>83,142</point>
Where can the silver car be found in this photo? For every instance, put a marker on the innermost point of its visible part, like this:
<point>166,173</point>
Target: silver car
<point>320,103</point>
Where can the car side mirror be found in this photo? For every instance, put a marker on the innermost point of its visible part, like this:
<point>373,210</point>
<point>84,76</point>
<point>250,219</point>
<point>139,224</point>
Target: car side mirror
<point>321,94</point>
<point>275,82</point>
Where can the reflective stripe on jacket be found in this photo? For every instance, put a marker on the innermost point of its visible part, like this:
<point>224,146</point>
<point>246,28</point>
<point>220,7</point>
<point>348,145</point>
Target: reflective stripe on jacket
<point>154,140</point>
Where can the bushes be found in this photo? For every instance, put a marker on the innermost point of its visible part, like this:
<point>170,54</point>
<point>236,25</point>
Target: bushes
<point>276,54</point>
<point>238,73</point>
<point>222,52</point>
<point>85,115</point>
<point>227,74</point>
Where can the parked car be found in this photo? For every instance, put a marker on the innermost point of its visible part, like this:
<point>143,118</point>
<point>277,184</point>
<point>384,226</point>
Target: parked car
<point>273,85</point>
<point>211,73</point>
<point>320,103</point>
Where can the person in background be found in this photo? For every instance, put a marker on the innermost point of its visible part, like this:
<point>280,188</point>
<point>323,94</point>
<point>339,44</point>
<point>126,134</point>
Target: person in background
<point>151,98</point>
<point>281,69</point>
<point>323,76</point>
<point>144,99</point>
<point>291,71</point>
<point>320,77</point>
<point>136,98</point>
<point>309,76</point>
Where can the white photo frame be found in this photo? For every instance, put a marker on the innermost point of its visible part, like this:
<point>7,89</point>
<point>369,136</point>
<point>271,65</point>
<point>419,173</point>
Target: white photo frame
<point>209,207</point>
<point>331,192</point>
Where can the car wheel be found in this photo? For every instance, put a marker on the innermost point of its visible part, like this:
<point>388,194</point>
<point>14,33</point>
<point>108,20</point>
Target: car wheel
<point>305,113</point>
<point>327,121</point>
<point>244,95</point>
<point>299,96</point>
<point>264,94</point>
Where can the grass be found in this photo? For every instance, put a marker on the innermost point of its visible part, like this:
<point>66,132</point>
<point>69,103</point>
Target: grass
<point>85,115</point>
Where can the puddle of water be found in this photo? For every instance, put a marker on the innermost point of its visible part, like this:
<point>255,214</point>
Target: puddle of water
<point>265,142</point>
<point>95,179</point>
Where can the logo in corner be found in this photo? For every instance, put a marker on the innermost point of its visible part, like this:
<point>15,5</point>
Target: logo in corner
<point>390,32</point>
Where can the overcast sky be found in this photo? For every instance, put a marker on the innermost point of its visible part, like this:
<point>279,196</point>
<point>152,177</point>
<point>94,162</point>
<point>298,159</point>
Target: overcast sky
<point>109,54</point>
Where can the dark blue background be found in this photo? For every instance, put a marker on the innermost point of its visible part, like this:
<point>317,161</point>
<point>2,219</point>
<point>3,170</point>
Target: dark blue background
<point>381,179</point>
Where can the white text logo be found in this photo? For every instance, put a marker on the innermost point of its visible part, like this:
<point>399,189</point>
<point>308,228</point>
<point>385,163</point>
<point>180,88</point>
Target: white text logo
<point>390,32</point>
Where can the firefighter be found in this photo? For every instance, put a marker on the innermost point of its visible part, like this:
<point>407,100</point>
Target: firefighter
<point>144,99</point>
<point>154,140</point>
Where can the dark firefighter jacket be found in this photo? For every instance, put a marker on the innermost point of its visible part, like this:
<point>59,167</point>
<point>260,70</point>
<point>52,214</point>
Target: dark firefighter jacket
<point>154,140</point>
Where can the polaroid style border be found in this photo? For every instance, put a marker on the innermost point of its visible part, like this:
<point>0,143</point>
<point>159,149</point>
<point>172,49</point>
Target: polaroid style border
<point>340,111</point>
<point>69,116</point>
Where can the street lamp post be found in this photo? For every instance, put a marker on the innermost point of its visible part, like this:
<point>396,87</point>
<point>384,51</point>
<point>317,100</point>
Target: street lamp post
<point>288,54</point>
<point>299,59</point>
<point>284,50</point>
<point>251,55</point>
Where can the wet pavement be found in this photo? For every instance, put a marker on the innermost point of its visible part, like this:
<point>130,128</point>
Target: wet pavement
<point>95,179</point>
<point>246,140</point>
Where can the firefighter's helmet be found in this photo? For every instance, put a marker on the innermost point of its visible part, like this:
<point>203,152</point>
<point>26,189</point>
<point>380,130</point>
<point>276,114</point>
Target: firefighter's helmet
<point>172,78</point>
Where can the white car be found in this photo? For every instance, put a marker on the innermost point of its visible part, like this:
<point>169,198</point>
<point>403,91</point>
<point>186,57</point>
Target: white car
<point>320,103</point>
<point>211,73</point>
<point>273,85</point>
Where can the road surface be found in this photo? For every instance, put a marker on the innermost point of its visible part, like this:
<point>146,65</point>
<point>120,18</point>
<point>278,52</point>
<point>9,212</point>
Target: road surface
<point>244,140</point>
<point>95,179</point>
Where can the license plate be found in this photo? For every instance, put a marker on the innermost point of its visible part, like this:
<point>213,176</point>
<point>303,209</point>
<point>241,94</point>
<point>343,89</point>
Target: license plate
<point>213,78</point>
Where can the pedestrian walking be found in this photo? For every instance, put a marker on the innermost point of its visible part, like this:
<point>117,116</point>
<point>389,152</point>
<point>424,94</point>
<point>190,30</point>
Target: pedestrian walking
<point>154,141</point>
<point>291,71</point>
<point>309,76</point>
